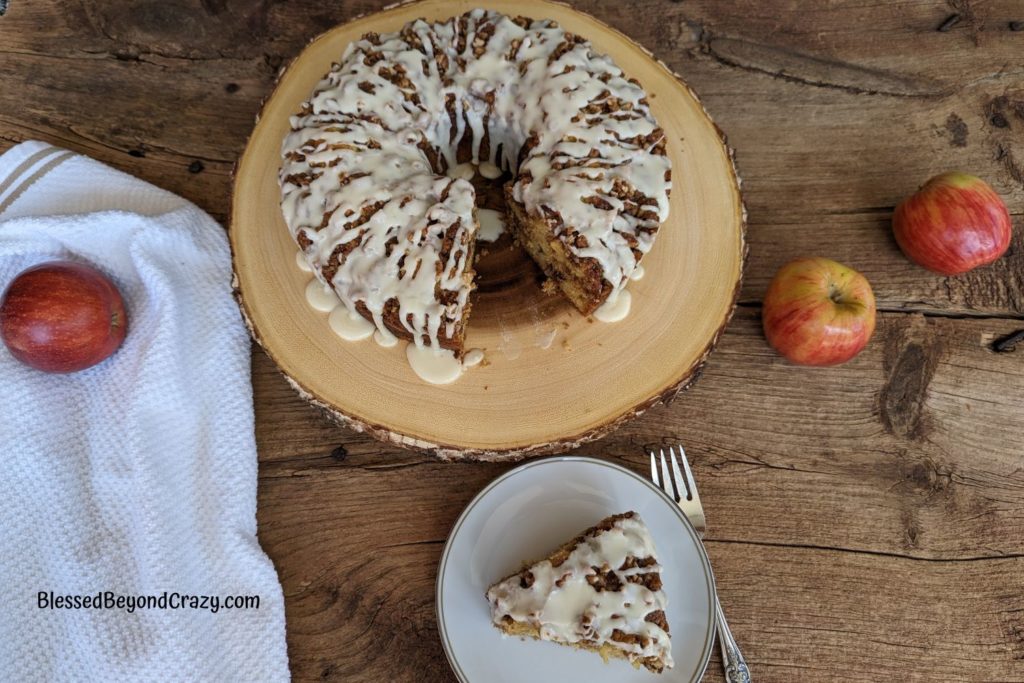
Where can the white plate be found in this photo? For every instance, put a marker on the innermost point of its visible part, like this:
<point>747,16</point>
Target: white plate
<point>527,513</point>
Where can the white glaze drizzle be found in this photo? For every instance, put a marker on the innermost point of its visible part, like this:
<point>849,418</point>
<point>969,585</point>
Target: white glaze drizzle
<point>385,340</point>
<point>302,263</point>
<point>350,326</point>
<point>465,171</point>
<point>492,225</point>
<point>489,171</point>
<point>573,610</point>
<point>638,273</point>
<point>616,308</point>
<point>364,166</point>
<point>320,297</point>
<point>434,365</point>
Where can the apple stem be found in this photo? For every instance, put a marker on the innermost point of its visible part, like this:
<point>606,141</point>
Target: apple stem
<point>834,294</point>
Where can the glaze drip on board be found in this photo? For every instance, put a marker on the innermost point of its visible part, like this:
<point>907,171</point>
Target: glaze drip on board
<point>365,190</point>
<point>492,225</point>
<point>348,326</point>
<point>431,364</point>
<point>616,308</point>
<point>321,297</point>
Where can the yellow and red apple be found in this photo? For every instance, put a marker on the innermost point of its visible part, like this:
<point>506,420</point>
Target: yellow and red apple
<point>62,317</point>
<point>818,312</point>
<point>954,223</point>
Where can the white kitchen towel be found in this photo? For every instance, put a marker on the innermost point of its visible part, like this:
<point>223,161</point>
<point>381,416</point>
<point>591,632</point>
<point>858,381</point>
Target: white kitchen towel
<point>133,481</point>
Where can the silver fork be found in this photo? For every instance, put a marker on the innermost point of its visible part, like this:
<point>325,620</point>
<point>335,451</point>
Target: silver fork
<point>684,491</point>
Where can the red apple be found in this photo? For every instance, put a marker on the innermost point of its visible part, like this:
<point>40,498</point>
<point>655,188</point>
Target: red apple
<point>818,312</point>
<point>955,223</point>
<point>62,317</point>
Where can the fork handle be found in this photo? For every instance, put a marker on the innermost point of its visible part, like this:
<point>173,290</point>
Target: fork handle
<point>736,670</point>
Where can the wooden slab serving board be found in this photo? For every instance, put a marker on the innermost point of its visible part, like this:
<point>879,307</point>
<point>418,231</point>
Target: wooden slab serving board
<point>552,379</point>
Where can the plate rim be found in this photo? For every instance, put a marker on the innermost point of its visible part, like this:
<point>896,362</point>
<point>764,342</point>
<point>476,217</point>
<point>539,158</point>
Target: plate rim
<point>442,631</point>
<point>449,451</point>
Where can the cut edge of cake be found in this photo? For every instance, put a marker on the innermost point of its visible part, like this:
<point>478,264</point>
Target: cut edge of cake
<point>581,280</point>
<point>654,654</point>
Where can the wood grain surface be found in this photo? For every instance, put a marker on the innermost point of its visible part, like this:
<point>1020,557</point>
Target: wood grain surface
<point>866,523</point>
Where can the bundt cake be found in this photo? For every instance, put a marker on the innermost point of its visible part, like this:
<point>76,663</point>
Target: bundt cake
<point>373,187</point>
<point>602,591</point>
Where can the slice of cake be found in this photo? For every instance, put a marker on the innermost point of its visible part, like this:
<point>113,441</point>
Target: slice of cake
<point>600,591</point>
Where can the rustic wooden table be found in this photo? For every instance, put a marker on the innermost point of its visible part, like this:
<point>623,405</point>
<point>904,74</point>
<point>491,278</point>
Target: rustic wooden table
<point>866,523</point>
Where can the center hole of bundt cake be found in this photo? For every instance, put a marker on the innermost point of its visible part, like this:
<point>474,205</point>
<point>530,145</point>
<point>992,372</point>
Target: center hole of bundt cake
<point>501,265</point>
